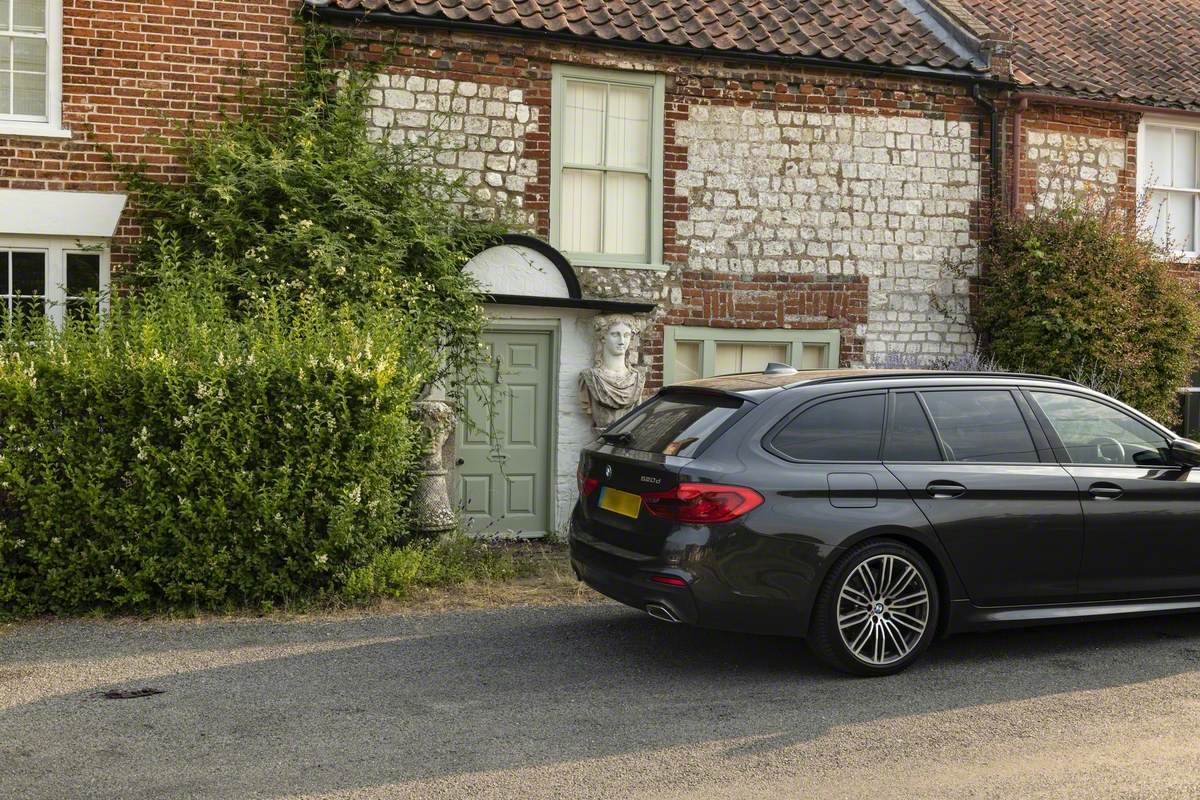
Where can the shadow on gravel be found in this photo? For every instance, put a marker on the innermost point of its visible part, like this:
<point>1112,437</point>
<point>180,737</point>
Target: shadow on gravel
<point>497,690</point>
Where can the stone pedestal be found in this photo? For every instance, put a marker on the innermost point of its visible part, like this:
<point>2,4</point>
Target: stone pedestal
<point>433,513</point>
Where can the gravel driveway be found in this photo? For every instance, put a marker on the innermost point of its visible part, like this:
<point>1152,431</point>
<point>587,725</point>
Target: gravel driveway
<point>587,701</point>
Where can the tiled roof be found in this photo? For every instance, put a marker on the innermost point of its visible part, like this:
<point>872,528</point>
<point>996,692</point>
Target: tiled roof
<point>1144,51</point>
<point>883,32</point>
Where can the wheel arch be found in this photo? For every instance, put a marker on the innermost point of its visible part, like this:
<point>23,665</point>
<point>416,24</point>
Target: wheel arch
<point>948,585</point>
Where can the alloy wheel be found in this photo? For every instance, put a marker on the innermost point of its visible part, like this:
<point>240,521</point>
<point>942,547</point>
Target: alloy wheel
<point>883,609</point>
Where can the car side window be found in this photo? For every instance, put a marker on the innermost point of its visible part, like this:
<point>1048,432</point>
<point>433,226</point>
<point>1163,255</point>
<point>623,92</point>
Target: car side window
<point>842,429</point>
<point>909,436</point>
<point>981,425</point>
<point>1096,433</point>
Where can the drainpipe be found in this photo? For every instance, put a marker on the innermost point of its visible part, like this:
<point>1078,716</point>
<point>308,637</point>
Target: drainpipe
<point>1015,188</point>
<point>994,151</point>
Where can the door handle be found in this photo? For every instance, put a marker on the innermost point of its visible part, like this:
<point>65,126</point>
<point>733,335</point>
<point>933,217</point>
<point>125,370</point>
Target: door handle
<point>1105,491</point>
<point>944,490</point>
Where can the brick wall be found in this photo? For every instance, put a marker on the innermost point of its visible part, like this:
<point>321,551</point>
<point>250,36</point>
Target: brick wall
<point>131,70</point>
<point>808,198</point>
<point>1071,154</point>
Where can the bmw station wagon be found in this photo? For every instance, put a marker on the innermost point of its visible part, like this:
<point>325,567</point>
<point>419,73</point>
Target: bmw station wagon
<point>870,511</point>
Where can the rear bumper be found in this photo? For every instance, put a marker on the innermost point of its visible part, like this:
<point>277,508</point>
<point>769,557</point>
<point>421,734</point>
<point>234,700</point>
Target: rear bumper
<point>629,581</point>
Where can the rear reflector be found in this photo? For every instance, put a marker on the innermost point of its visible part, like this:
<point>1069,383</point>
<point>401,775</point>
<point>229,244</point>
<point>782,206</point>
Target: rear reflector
<point>669,580</point>
<point>702,503</point>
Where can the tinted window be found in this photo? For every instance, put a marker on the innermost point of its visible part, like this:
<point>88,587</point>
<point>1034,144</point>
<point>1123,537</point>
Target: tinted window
<point>846,429</point>
<point>981,425</point>
<point>675,425</point>
<point>909,436</point>
<point>1095,433</point>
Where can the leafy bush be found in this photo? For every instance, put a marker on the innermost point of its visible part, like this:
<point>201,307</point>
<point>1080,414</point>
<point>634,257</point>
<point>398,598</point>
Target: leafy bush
<point>1073,292</point>
<point>395,571</point>
<point>294,195</point>
<point>176,455</point>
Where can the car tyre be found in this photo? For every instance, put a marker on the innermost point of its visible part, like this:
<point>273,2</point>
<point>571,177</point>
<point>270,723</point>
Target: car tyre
<point>877,610</point>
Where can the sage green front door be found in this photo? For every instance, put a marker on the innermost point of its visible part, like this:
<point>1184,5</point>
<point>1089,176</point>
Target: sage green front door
<point>504,470</point>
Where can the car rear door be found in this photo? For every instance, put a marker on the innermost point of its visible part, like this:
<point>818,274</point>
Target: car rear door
<point>977,464</point>
<point>1141,513</point>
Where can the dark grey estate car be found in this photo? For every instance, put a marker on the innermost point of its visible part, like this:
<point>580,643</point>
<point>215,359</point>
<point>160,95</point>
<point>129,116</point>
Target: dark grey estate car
<point>869,511</point>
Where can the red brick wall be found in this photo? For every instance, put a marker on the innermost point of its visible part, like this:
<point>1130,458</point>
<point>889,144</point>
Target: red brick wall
<point>1077,122</point>
<point>131,70</point>
<point>724,300</point>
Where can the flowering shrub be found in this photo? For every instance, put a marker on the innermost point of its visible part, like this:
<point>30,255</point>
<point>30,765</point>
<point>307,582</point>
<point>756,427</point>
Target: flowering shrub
<point>179,456</point>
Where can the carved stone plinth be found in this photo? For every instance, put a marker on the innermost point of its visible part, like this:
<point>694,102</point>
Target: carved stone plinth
<point>433,513</point>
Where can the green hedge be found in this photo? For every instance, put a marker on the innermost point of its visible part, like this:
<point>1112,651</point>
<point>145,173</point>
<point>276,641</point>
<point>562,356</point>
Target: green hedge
<point>177,456</point>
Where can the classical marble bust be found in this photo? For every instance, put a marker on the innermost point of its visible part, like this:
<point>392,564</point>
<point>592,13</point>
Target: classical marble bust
<point>612,386</point>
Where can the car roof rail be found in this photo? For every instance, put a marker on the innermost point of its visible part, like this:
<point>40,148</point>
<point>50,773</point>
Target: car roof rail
<point>867,375</point>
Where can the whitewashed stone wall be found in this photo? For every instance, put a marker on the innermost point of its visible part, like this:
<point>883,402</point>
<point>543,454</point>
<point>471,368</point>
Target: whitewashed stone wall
<point>884,197</point>
<point>1072,168</point>
<point>473,130</point>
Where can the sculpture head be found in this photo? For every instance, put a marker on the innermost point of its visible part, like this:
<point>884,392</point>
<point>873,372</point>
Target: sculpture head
<point>615,336</point>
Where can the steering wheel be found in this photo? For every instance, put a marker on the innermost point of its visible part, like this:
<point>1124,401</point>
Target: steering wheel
<point>1102,442</point>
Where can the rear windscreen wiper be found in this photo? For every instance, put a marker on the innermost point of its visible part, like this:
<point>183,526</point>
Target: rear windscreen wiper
<point>623,437</point>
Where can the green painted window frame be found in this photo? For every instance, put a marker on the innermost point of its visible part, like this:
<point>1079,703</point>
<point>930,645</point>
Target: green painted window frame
<point>710,337</point>
<point>657,83</point>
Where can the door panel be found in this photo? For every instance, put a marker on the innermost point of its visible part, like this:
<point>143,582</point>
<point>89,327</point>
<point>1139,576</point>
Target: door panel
<point>1144,538</point>
<point>504,474</point>
<point>1013,531</point>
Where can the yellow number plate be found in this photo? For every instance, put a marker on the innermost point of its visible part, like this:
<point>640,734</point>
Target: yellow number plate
<point>618,502</point>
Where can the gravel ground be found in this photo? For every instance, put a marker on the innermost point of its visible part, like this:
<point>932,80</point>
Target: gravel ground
<point>587,701</point>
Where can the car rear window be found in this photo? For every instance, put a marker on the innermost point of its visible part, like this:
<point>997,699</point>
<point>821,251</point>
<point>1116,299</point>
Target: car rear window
<point>981,425</point>
<point>843,429</point>
<point>675,425</point>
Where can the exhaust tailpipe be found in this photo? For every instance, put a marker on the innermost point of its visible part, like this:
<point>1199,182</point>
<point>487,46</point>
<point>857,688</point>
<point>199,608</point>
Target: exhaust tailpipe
<point>659,611</point>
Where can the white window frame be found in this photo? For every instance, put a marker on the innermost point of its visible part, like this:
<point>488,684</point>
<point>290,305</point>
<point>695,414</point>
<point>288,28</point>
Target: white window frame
<point>1143,173</point>
<point>657,83</point>
<point>51,126</point>
<point>709,338</point>
<point>56,250</point>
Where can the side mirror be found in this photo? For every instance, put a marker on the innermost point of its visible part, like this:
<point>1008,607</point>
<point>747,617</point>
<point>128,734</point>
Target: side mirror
<point>1185,452</point>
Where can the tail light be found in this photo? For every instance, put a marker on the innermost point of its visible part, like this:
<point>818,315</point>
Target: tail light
<point>702,503</point>
<point>586,485</point>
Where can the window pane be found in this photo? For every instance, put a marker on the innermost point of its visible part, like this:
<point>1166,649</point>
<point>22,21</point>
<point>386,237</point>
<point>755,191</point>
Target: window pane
<point>5,51</point>
<point>676,425</point>
<point>29,55</point>
<point>910,437</point>
<point>3,272</point>
<point>1172,215</point>
<point>5,92</point>
<point>29,94</point>
<point>580,226</point>
<point>29,273</point>
<point>755,357</point>
<point>1184,165</point>
<point>1095,433</point>
<point>29,15</point>
<point>628,140</point>
<point>687,361</point>
<point>583,119</point>
<point>981,426</point>
<point>626,213</point>
<point>1158,155</point>
<point>83,273</point>
<point>812,356</point>
<point>848,429</point>
<point>4,15</point>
